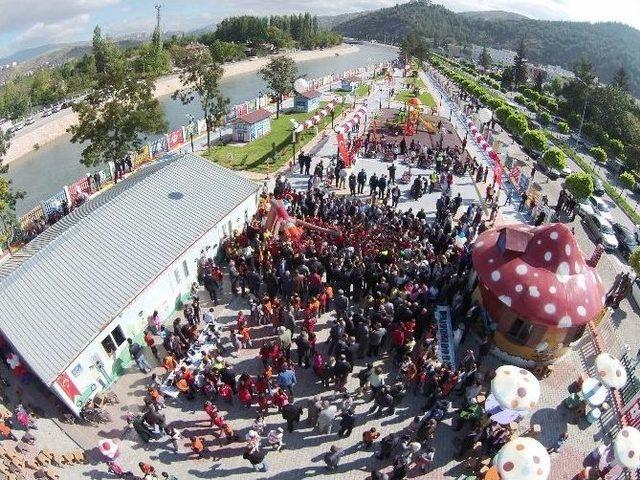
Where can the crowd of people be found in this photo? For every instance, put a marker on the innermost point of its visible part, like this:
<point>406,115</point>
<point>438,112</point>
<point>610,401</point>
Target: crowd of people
<point>376,272</point>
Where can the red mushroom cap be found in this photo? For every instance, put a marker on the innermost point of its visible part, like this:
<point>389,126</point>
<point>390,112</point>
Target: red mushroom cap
<point>540,273</point>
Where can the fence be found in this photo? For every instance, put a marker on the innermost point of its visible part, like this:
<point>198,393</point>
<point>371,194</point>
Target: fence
<point>50,210</point>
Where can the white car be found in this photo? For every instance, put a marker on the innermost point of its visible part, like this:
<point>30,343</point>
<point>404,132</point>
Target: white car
<point>602,230</point>
<point>601,207</point>
<point>585,208</point>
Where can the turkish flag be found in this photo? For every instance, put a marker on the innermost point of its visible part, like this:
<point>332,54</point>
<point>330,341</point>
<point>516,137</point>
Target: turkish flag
<point>344,152</point>
<point>67,386</point>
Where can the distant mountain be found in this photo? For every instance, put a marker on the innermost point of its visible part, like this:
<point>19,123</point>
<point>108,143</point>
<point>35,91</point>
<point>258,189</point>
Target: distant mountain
<point>332,21</point>
<point>492,15</point>
<point>30,53</point>
<point>608,45</point>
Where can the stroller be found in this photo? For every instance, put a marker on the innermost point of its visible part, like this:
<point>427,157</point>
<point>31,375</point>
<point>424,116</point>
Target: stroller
<point>406,176</point>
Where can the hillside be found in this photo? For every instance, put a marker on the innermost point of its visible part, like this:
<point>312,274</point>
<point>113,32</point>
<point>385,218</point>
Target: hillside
<point>608,45</point>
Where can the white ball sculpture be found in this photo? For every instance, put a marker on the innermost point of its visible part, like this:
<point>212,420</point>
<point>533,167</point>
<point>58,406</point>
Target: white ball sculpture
<point>301,85</point>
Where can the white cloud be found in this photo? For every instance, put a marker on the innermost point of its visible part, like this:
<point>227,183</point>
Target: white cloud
<point>16,16</point>
<point>625,11</point>
<point>40,33</point>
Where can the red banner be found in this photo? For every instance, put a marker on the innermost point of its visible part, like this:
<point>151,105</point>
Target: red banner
<point>68,387</point>
<point>176,138</point>
<point>497,173</point>
<point>344,153</point>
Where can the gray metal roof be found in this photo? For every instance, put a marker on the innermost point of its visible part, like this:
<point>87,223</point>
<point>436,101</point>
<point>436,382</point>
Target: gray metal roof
<point>70,282</point>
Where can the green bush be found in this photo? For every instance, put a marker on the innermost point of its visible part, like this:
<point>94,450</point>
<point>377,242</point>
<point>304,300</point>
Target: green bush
<point>520,99</point>
<point>504,112</point>
<point>616,147</point>
<point>580,185</point>
<point>574,120</point>
<point>545,118</point>
<point>532,106</point>
<point>495,103</point>
<point>535,140</point>
<point>555,158</point>
<point>634,260</point>
<point>598,153</point>
<point>628,180</point>
<point>563,127</point>
<point>517,124</point>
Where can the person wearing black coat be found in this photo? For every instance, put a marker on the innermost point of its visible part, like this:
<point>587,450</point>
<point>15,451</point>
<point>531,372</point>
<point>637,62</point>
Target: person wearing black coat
<point>347,422</point>
<point>291,413</point>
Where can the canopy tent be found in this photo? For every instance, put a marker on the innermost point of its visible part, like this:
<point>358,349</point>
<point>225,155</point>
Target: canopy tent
<point>355,120</point>
<point>328,108</point>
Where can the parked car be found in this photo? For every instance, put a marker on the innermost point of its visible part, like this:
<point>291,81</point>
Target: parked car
<point>626,239</point>
<point>598,187</point>
<point>602,230</point>
<point>601,207</point>
<point>585,208</point>
<point>29,121</point>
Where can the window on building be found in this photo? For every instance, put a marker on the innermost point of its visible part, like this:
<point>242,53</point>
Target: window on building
<point>118,335</point>
<point>176,273</point>
<point>185,268</point>
<point>520,331</point>
<point>108,345</point>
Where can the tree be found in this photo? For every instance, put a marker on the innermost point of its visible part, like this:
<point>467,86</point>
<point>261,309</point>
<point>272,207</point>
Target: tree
<point>634,260</point>
<point>535,140</point>
<point>101,50</point>
<point>507,77</point>
<point>598,153</point>
<point>117,113</point>
<point>563,127</point>
<point>414,46</point>
<point>621,79</point>
<point>616,147</point>
<point>9,224</point>
<point>280,73</point>
<point>545,118</point>
<point>628,180</point>
<point>517,124</point>
<point>580,185</point>
<point>539,79</point>
<point>485,59</point>
<point>555,158</point>
<point>503,113</point>
<point>520,64</point>
<point>201,78</point>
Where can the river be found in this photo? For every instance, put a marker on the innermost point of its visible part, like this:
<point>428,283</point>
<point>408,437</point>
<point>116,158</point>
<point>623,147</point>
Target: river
<point>42,173</point>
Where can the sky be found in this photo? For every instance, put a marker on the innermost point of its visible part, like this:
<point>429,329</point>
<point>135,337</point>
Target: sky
<point>31,23</point>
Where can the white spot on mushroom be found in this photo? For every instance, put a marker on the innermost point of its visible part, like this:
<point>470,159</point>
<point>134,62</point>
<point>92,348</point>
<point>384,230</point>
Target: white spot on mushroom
<point>550,308</point>
<point>552,289</point>
<point>553,235</point>
<point>535,275</point>
<point>521,269</point>
<point>548,256</point>
<point>491,260</point>
<point>505,299</point>
<point>495,275</point>
<point>480,243</point>
<point>581,310</point>
<point>539,242</point>
<point>581,282</point>
<point>578,267</point>
<point>519,288</point>
<point>563,269</point>
<point>567,249</point>
<point>565,322</point>
<point>534,292</point>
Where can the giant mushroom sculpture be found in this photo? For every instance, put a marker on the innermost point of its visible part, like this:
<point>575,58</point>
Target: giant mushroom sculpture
<point>537,287</point>
<point>515,388</point>
<point>610,371</point>
<point>626,448</point>
<point>523,458</point>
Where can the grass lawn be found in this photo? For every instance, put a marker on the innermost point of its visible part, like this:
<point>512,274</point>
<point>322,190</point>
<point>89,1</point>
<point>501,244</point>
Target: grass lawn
<point>426,98</point>
<point>254,155</point>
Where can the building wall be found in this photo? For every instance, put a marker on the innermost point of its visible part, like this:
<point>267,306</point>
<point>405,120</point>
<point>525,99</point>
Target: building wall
<point>94,369</point>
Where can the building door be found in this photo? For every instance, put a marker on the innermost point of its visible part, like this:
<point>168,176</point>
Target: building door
<point>100,371</point>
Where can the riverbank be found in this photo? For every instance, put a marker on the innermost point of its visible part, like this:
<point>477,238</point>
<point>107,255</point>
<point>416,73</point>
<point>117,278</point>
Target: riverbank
<point>56,126</point>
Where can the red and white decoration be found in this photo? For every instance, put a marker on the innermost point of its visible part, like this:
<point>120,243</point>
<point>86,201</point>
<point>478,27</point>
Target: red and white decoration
<point>318,116</point>
<point>355,120</point>
<point>109,448</point>
<point>548,283</point>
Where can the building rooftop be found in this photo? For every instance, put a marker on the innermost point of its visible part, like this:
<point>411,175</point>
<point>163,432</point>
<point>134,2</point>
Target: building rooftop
<point>255,116</point>
<point>310,94</point>
<point>67,285</point>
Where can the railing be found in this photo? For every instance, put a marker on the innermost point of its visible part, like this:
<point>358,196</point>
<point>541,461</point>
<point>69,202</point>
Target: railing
<point>49,211</point>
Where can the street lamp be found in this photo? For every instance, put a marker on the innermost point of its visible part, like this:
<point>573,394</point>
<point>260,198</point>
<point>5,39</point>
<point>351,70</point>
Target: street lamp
<point>191,120</point>
<point>584,108</point>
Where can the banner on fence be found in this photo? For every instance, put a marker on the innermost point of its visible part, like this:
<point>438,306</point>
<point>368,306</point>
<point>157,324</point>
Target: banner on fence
<point>159,146</point>
<point>344,152</point>
<point>176,138</point>
<point>143,155</point>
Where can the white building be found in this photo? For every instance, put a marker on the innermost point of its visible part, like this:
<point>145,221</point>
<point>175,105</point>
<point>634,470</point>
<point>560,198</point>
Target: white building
<point>72,297</point>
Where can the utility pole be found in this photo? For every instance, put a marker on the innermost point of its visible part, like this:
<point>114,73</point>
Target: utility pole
<point>158,8</point>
